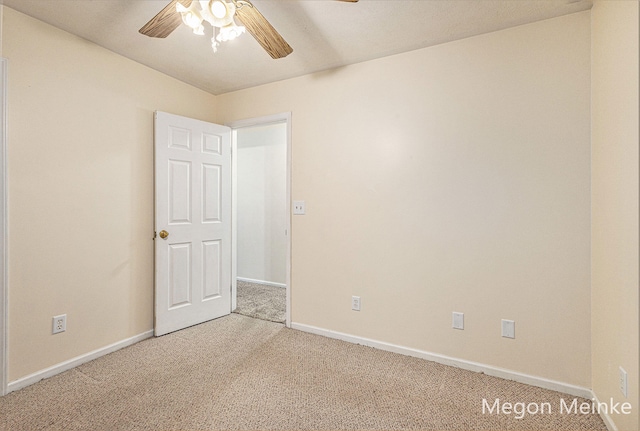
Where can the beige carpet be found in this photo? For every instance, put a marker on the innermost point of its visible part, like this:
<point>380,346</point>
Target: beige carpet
<point>261,301</point>
<point>242,373</point>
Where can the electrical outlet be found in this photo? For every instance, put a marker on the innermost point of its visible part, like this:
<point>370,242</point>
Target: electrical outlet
<point>355,303</point>
<point>508,328</point>
<point>458,320</point>
<point>623,381</point>
<point>298,208</point>
<point>59,323</point>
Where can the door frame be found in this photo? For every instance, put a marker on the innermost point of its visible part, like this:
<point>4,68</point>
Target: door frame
<point>283,118</point>
<point>4,300</point>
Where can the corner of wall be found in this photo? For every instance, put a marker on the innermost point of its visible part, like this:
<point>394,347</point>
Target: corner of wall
<point>615,231</point>
<point>3,226</point>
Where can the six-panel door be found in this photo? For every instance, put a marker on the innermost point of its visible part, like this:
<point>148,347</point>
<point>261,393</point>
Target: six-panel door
<point>193,207</point>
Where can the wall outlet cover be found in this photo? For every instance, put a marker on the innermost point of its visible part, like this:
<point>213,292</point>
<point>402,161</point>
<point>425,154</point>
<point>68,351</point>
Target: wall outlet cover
<point>458,320</point>
<point>355,303</point>
<point>59,323</point>
<point>298,208</point>
<point>623,381</point>
<point>508,328</point>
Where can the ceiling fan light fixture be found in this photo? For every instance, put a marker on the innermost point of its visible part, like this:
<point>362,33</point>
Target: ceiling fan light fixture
<point>199,31</point>
<point>218,12</point>
<point>191,17</point>
<point>230,32</point>
<point>218,9</point>
<point>221,14</point>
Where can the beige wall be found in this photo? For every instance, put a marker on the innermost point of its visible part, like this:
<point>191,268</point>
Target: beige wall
<point>452,178</point>
<point>80,168</point>
<point>615,215</point>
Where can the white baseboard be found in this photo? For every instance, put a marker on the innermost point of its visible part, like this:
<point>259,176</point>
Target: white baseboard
<point>454,362</point>
<point>611,426</point>
<point>266,283</point>
<point>72,363</point>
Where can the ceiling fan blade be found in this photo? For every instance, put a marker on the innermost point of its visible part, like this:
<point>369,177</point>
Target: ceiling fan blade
<point>167,20</point>
<point>350,1</point>
<point>262,30</point>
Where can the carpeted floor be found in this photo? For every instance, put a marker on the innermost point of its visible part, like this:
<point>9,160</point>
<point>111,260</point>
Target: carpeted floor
<point>239,373</point>
<point>261,301</point>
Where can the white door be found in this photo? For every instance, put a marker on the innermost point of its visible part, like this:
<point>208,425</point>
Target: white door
<point>192,221</point>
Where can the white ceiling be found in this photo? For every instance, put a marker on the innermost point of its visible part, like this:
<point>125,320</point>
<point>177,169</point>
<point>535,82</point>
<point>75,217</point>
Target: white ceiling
<point>324,34</point>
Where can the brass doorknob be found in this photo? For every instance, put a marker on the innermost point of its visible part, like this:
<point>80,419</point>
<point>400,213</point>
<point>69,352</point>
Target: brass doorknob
<point>164,234</point>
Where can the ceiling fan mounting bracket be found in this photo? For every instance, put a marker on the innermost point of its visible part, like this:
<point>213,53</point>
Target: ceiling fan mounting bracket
<point>242,3</point>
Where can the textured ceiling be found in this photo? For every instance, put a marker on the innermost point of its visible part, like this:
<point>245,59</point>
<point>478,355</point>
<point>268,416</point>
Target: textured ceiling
<point>324,34</point>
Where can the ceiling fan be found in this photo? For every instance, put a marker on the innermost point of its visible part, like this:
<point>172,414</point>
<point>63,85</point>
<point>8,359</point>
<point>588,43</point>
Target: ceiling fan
<point>220,14</point>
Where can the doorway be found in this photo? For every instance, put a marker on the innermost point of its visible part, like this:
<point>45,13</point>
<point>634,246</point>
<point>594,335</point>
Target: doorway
<point>261,217</point>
